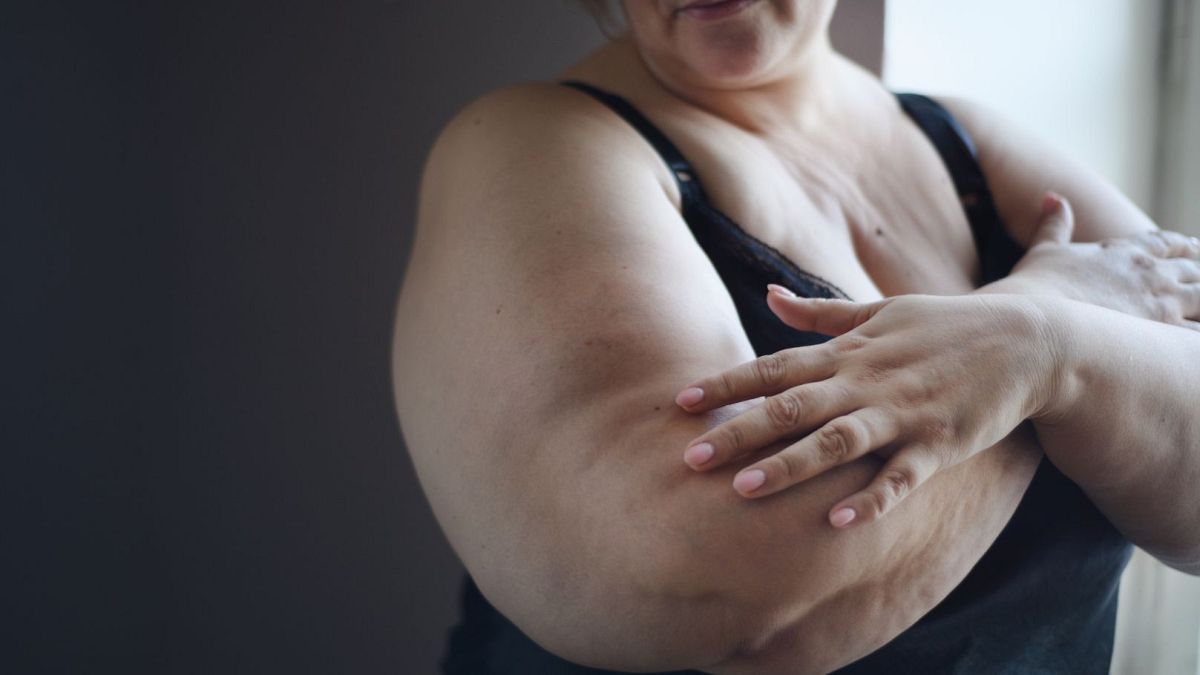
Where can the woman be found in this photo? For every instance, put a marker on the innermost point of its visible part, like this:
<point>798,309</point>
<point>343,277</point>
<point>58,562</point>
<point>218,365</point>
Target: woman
<point>949,484</point>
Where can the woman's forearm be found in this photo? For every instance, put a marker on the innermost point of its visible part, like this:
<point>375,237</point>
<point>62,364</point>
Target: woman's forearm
<point>1125,424</point>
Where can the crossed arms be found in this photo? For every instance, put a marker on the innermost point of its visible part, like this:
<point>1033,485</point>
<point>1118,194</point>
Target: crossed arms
<point>554,305</point>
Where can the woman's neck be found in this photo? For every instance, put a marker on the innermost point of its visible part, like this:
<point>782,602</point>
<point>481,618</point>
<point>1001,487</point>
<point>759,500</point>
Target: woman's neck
<point>801,98</point>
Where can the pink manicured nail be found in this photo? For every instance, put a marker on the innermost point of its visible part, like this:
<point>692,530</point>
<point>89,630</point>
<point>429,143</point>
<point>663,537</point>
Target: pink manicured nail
<point>690,396</point>
<point>698,454</point>
<point>1051,202</point>
<point>842,517</point>
<point>780,291</point>
<point>749,481</point>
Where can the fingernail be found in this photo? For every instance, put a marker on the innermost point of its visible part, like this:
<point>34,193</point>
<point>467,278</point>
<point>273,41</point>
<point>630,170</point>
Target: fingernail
<point>749,481</point>
<point>780,291</point>
<point>1051,202</point>
<point>842,517</point>
<point>690,396</point>
<point>698,454</point>
<point>1194,241</point>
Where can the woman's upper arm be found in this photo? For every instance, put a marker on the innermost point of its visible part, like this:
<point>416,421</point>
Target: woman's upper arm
<point>554,304</point>
<point>1020,168</point>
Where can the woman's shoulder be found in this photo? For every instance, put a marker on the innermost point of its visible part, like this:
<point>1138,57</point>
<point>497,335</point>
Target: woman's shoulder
<point>527,108</point>
<point>516,147</point>
<point>543,120</point>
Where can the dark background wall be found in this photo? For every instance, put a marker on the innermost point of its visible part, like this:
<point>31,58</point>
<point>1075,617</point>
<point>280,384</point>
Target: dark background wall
<point>204,216</point>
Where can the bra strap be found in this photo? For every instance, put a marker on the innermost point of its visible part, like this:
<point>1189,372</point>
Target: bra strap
<point>681,169</point>
<point>958,153</point>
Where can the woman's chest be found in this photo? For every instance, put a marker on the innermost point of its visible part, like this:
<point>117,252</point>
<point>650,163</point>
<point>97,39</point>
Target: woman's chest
<point>891,225</point>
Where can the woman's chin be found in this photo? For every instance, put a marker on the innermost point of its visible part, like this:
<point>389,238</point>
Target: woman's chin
<point>730,70</point>
<point>735,57</point>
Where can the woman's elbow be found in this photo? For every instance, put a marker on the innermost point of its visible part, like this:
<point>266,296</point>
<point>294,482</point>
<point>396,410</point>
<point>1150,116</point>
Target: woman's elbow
<point>649,613</point>
<point>712,606</point>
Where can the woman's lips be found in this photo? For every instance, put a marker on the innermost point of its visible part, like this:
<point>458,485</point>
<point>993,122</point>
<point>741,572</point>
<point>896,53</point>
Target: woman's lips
<point>711,10</point>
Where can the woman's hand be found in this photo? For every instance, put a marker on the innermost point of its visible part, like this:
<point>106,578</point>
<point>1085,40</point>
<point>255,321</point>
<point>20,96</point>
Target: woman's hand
<point>1154,275</point>
<point>924,381</point>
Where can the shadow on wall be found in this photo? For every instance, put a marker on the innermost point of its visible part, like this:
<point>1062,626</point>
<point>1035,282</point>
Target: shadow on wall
<point>297,536</point>
<point>306,543</point>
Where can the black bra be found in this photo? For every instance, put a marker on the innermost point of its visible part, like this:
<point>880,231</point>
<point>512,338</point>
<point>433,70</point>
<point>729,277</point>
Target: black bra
<point>953,145</point>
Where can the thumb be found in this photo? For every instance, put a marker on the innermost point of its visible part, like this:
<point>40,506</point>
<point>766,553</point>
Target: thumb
<point>820,315</point>
<point>1058,221</point>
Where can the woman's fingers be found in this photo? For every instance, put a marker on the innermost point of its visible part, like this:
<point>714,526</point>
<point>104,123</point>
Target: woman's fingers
<point>1058,221</point>
<point>1168,244</point>
<point>820,315</point>
<point>789,413</point>
<point>773,373</point>
<point>763,376</point>
<point>841,440</point>
<point>903,473</point>
<point>1183,270</point>
<point>1189,300</point>
<point>1176,289</point>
